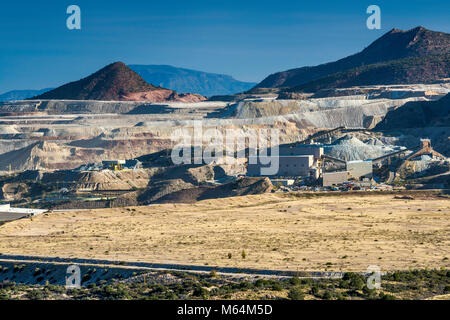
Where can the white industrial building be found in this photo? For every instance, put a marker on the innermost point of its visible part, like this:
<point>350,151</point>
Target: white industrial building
<point>298,161</point>
<point>306,161</point>
<point>335,178</point>
<point>315,150</point>
<point>7,213</point>
<point>360,169</point>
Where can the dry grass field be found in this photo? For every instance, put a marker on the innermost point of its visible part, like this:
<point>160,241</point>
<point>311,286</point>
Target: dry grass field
<point>276,231</point>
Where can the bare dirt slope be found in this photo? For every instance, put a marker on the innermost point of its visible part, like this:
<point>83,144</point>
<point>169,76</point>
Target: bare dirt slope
<point>277,231</point>
<point>245,186</point>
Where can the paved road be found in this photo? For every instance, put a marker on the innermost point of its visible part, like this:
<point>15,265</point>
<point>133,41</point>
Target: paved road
<point>175,267</point>
<point>11,216</point>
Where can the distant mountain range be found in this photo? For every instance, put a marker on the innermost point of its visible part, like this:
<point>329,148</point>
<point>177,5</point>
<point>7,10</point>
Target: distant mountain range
<point>165,76</point>
<point>398,57</point>
<point>116,82</point>
<point>186,80</point>
<point>21,94</point>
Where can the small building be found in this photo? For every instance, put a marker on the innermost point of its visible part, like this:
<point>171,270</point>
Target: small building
<point>293,161</point>
<point>360,169</point>
<point>288,166</point>
<point>334,178</point>
<point>294,166</point>
<point>299,150</point>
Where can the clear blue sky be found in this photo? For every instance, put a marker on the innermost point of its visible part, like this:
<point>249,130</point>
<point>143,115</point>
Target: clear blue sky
<point>246,39</point>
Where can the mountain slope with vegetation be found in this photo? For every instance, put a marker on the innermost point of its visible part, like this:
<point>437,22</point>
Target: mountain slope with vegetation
<point>394,45</point>
<point>404,71</point>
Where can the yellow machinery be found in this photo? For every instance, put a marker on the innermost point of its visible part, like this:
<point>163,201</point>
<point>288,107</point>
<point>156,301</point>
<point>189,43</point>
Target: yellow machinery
<point>115,165</point>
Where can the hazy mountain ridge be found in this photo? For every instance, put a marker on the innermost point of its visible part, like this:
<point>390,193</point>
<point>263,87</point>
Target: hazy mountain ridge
<point>14,95</point>
<point>187,80</point>
<point>164,76</point>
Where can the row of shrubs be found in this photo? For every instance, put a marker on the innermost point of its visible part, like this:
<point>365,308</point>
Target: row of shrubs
<point>414,284</point>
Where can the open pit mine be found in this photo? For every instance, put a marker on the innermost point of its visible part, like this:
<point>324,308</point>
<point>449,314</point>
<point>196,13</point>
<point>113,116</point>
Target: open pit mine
<point>61,148</point>
<point>316,172</point>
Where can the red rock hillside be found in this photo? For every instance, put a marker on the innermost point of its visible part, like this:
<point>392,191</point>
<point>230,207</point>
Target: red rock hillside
<point>116,82</point>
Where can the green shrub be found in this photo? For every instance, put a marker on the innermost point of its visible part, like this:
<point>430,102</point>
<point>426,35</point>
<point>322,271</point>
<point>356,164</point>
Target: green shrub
<point>354,281</point>
<point>277,287</point>
<point>327,295</point>
<point>315,290</point>
<point>36,294</point>
<point>296,294</point>
<point>295,281</point>
<point>370,293</point>
<point>384,296</point>
<point>200,292</point>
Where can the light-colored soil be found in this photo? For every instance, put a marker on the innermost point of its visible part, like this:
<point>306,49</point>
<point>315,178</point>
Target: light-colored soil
<point>277,231</point>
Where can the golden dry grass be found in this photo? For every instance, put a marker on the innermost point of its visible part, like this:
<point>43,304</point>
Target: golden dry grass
<point>277,231</point>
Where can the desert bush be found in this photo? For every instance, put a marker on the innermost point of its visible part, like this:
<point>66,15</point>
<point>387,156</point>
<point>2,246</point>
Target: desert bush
<point>353,281</point>
<point>295,281</point>
<point>200,292</point>
<point>384,296</point>
<point>296,293</point>
<point>36,294</point>
<point>327,295</point>
<point>315,291</point>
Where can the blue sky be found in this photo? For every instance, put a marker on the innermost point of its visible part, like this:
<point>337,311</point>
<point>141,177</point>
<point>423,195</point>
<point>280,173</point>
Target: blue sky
<point>246,39</point>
